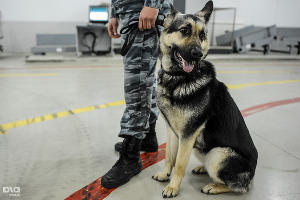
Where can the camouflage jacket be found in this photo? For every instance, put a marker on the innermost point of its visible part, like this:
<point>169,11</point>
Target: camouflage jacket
<point>126,6</point>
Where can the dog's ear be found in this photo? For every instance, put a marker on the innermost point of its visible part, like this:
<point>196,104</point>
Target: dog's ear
<point>168,20</point>
<point>205,13</point>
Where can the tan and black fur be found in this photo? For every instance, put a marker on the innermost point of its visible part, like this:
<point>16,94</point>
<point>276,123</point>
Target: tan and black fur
<point>199,111</point>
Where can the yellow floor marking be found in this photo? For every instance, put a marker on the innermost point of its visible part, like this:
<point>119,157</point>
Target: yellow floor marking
<point>240,86</point>
<point>251,71</point>
<point>27,74</point>
<point>47,117</point>
<point>5,127</point>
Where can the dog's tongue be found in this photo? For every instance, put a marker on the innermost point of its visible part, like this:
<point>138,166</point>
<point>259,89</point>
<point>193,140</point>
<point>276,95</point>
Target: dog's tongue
<point>187,67</point>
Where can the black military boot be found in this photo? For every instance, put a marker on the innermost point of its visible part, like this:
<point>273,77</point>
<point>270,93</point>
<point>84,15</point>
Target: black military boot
<point>128,165</point>
<point>149,143</point>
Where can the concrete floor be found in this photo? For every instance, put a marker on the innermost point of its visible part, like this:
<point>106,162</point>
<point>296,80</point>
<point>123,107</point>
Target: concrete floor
<point>55,158</point>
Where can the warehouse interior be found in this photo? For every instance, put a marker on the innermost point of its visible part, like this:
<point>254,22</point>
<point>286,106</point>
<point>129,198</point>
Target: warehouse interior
<point>62,98</point>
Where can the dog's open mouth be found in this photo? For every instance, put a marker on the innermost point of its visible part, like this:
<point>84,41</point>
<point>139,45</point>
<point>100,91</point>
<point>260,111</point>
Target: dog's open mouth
<point>186,65</point>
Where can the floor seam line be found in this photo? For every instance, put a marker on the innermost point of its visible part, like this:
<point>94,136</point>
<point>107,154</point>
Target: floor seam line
<point>275,145</point>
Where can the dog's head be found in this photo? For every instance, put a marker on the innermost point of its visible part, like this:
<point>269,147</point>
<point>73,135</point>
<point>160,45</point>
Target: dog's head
<point>184,41</point>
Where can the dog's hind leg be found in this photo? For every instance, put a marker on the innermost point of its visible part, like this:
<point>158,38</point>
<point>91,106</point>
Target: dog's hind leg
<point>171,153</point>
<point>229,171</point>
<point>215,188</point>
<point>214,160</point>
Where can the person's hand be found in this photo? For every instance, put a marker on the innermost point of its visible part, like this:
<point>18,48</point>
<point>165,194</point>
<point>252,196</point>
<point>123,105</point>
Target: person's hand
<point>147,18</point>
<point>113,28</point>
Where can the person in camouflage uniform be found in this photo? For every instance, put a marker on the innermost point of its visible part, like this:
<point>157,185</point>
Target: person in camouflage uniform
<point>140,115</point>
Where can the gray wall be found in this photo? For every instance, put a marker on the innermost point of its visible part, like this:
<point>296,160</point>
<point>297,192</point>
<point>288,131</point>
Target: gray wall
<point>22,19</point>
<point>179,5</point>
<point>283,13</point>
<point>46,10</point>
<point>259,12</point>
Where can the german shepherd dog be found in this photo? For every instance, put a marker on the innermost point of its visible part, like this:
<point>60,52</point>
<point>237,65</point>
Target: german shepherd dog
<point>199,111</point>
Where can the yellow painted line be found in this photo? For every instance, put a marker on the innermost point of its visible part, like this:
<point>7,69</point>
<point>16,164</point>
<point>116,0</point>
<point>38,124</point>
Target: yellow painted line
<point>5,127</point>
<point>251,71</point>
<point>26,74</point>
<point>240,86</point>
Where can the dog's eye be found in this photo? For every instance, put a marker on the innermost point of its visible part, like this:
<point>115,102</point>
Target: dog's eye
<point>202,35</point>
<point>185,31</point>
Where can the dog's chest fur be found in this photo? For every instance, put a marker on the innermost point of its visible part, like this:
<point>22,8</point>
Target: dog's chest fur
<point>180,116</point>
<point>174,115</point>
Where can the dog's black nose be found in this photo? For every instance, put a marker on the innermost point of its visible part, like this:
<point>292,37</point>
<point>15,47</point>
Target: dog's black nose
<point>196,52</point>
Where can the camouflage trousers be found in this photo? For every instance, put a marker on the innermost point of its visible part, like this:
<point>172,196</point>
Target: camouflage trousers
<point>140,82</point>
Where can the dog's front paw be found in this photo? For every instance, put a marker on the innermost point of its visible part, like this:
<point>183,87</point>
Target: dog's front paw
<point>161,177</point>
<point>170,192</point>
<point>199,170</point>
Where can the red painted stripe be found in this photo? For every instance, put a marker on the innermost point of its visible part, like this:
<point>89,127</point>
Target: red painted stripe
<point>259,108</point>
<point>94,191</point>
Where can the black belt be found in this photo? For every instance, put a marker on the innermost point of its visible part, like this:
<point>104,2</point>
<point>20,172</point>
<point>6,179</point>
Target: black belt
<point>132,29</point>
